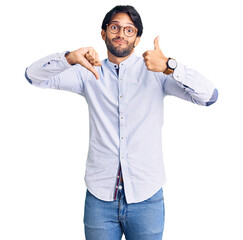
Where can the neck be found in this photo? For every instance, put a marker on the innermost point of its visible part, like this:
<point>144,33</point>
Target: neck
<point>117,60</point>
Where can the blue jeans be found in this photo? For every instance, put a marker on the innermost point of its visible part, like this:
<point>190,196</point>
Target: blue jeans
<point>105,220</point>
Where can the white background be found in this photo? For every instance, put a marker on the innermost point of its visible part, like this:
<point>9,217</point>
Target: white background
<point>44,132</point>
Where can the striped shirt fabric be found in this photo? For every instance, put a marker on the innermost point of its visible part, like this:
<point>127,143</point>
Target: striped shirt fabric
<point>125,118</point>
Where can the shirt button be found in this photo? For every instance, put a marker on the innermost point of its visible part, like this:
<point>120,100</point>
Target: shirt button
<point>120,96</point>
<point>116,186</point>
<point>121,117</point>
<point>120,187</point>
<point>117,176</point>
<point>120,79</point>
<point>122,137</point>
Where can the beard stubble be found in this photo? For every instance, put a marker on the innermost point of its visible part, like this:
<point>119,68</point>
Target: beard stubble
<point>118,51</point>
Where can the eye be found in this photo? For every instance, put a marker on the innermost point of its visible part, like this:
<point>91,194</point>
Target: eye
<point>130,30</point>
<point>113,27</point>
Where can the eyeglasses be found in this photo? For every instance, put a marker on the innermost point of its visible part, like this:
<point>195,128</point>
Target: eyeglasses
<point>129,31</point>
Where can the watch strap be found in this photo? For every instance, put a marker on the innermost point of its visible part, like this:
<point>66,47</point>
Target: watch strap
<point>168,71</point>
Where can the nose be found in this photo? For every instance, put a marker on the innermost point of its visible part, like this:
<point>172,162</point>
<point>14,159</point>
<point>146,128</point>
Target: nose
<point>121,32</point>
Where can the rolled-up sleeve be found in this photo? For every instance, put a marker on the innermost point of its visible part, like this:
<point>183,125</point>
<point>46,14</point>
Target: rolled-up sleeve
<point>53,71</point>
<point>190,85</point>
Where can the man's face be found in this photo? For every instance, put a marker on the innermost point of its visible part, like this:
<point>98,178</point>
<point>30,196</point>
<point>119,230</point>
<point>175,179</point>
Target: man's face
<point>119,44</point>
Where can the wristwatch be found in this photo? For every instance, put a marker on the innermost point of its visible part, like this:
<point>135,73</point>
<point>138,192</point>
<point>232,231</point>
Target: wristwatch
<point>171,66</point>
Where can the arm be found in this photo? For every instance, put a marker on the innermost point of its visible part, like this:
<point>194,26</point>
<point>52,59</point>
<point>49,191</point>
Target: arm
<point>64,71</point>
<point>189,85</point>
<point>183,82</point>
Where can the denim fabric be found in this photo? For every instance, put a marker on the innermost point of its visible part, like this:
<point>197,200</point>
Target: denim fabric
<point>108,220</point>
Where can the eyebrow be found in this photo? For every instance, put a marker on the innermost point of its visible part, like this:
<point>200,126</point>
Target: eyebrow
<point>126,23</point>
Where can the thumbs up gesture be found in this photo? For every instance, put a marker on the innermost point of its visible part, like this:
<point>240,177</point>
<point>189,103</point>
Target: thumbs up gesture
<point>155,59</point>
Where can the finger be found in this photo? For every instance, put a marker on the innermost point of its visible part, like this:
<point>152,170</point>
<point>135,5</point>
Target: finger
<point>93,58</point>
<point>97,63</point>
<point>156,43</point>
<point>94,71</point>
<point>147,65</point>
<point>97,60</point>
<point>145,54</point>
<point>90,67</point>
<point>89,57</point>
<point>92,53</point>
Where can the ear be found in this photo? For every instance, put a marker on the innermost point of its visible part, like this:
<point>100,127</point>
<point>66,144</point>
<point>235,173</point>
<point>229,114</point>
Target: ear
<point>103,34</point>
<point>136,41</point>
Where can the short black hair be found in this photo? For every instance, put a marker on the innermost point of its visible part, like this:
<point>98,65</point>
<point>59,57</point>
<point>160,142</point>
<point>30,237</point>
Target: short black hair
<point>131,11</point>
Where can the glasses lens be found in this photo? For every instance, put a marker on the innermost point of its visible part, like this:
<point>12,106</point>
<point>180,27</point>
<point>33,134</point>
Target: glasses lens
<point>130,31</point>
<point>114,28</point>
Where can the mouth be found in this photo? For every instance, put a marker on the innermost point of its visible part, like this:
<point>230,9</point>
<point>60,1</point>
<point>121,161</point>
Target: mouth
<point>119,41</point>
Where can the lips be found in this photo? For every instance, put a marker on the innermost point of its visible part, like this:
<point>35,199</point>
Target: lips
<point>119,41</point>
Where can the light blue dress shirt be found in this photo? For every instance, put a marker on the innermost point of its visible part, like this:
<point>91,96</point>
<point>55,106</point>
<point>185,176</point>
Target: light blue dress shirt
<point>125,118</point>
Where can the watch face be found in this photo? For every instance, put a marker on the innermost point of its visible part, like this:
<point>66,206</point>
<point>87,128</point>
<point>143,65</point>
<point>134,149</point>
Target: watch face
<point>172,63</point>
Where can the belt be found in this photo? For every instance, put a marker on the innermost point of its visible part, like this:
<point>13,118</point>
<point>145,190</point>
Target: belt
<point>121,179</point>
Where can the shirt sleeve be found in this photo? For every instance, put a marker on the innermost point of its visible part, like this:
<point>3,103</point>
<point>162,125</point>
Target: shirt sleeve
<point>55,72</point>
<point>190,85</point>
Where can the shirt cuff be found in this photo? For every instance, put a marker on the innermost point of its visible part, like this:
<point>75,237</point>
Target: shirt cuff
<point>62,57</point>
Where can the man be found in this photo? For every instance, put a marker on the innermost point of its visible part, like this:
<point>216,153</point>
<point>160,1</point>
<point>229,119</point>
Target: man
<point>124,168</point>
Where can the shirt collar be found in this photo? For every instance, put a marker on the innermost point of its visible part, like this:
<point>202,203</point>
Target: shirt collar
<point>129,61</point>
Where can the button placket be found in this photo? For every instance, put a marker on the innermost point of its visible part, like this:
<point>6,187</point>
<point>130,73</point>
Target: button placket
<point>122,118</point>
<point>122,126</point>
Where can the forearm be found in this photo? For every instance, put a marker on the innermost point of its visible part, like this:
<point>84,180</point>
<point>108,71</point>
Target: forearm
<point>190,85</point>
<point>45,68</point>
<point>64,71</point>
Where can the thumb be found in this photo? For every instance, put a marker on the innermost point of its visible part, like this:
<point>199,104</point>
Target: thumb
<point>156,43</point>
<point>94,71</point>
<point>90,67</point>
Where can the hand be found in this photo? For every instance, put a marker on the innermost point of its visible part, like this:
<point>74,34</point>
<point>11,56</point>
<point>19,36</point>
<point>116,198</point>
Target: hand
<point>155,59</point>
<point>87,57</point>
